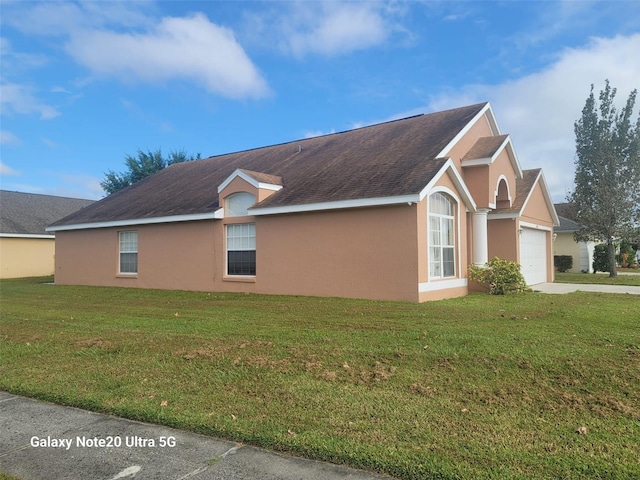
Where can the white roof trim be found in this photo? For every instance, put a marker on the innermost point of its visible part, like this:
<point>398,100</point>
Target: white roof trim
<point>377,201</point>
<point>339,204</point>
<point>535,226</point>
<point>547,198</point>
<point>492,123</point>
<point>250,180</point>
<point>135,221</point>
<point>515,163</point>
<point>457,181</point>
<point>25,235</point>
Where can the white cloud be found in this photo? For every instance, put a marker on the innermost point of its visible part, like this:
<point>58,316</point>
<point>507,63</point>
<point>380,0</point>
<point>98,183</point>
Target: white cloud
<point>539,110</point>
<point>190,48</point>
<point>8,138</point>
<point>20,99</point>
<point>333,28</point>
<point>7,170</point>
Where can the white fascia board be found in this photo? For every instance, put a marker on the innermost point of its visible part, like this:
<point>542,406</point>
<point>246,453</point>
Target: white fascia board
<point>340,204</point>
<point>25,235</point>
<point>442,285</point>
<point>492,123</point>
<point>514,158</point>
<point>457,181</point>
<point>476,162</point>
<point>134,221</point>
<point>548,199</point>
<point>219,214</point>
<point>502,216</point>
<point>534,226</point>
<point>250,180</point>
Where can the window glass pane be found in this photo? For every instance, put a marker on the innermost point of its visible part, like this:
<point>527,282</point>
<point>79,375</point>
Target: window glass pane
<point>448,263</point>
<point>241,262</point>
<point>236,205</point>
<point>434,262</point>
<point>128,241</point>
<point>128,263</point>
<point>448,235</point>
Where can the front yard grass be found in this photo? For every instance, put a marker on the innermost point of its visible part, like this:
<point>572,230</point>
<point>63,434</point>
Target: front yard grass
<point>598,278</point>
<point>480,387</point>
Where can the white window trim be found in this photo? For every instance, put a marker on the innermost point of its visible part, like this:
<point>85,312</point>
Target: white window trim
<point>457,246</point>
<point>226,251</point>
<point>120,252</point>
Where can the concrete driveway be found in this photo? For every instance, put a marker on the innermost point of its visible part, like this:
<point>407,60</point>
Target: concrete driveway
<point>575,287</point>
<point>43,441</point>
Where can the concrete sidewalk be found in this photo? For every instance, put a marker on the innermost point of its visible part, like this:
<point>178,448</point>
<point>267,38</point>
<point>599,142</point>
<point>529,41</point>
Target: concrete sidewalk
<point>40,440</point>
<point>583,287</point>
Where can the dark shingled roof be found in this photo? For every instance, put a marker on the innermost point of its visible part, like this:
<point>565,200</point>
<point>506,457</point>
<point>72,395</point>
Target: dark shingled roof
<point>30,213</point>
<point>485,147</point>
<point>384,160</point>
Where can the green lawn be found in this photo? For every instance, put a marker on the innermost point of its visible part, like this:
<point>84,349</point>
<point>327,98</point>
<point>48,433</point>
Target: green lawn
<point>599,278</point>
<point>474,388</point>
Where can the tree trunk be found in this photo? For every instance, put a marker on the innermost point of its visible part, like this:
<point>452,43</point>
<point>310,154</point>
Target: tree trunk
<point>611,250</point>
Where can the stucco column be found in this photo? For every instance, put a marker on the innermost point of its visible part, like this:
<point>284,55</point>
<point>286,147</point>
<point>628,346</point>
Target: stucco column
<point>480,243</point>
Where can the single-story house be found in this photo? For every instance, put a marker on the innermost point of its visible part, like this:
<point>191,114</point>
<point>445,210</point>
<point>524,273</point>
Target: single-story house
<point>565,243</point>
<point>391,211</point>
<point>26,249</point>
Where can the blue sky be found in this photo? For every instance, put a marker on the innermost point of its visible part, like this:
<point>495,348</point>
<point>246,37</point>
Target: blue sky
<point>83,84</point>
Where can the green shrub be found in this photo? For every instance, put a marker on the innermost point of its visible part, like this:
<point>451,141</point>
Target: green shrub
<point>600,258</point>
<point>499,276</point>
<point>627,255</point>
<point>563,262</point>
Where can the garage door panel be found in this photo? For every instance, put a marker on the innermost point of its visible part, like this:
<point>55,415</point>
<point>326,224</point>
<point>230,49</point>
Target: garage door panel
<point>533,255</point>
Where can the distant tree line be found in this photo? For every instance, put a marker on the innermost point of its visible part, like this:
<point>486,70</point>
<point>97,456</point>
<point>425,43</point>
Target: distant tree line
<point>145,164</point>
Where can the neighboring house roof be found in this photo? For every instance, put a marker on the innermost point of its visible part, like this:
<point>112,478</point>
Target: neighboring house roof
<point>386,160</point>
<point>28,214</point>
<point>567,225</point>
<point>567,210</point>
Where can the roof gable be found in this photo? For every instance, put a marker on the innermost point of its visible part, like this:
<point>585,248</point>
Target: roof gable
<point>487,149</point>
<point>524,189</point>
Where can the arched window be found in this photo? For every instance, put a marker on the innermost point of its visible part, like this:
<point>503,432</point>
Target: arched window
<point>237,204</point>
<point>502,195</point>
<point>442,236</point>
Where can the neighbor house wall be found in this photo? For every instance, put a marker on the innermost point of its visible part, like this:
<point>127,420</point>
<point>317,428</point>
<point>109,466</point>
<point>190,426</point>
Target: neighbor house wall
<point>26,257</point>
<point>582,252</point>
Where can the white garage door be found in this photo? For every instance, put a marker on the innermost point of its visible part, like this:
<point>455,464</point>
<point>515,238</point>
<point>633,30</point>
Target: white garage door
<point>533,255</point>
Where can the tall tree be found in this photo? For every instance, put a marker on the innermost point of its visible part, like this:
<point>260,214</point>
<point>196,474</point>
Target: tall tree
<point>142,166</point>
<point>607,179</point>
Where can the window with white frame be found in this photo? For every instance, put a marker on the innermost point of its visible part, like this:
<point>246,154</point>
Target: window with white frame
<point>442,236</point>
<point>128,252</point>
<point>241,249</point>
<point>237,204</point>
